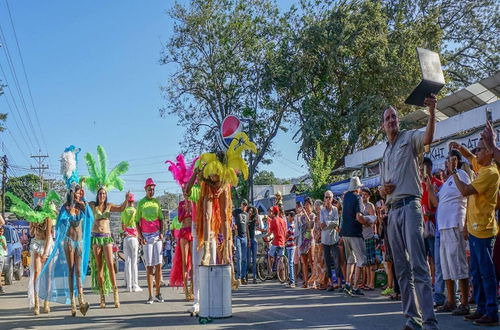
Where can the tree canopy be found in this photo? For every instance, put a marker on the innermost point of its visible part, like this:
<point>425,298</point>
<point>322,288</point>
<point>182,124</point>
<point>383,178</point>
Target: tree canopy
<point>325,70</point>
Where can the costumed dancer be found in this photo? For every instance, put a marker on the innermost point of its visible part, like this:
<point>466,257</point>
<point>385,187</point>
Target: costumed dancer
<point>130,246</point>
<point>101,261</point>
<point>41,221</point>
<point>149,219</point>
<point>217,172</point>
<point>68,262</point>
<point>182,266</point>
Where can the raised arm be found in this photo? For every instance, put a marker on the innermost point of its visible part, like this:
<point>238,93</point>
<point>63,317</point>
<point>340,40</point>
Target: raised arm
<point>463,150</point>
<point>122,207</point>
<point>489,137</point>
<point>430,102</point>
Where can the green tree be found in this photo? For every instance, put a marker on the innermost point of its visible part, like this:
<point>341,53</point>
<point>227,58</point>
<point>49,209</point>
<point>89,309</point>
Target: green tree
<point>230,57</point>
<point>265,178</point>
<point>169,201</point>
<point>23,187</point>
<point>358,56</point>
<point>320,168</point>
<point>354,61</point>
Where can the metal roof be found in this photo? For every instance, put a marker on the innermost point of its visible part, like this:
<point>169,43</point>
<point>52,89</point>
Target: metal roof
<point>483,92</point>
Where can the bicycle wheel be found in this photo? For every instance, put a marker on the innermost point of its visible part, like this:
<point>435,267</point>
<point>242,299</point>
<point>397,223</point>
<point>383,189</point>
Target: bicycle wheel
<point>262,268</point>
<point>282,269</point>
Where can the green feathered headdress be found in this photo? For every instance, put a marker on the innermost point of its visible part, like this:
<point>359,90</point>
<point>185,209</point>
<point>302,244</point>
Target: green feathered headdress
<point>23,210</point>
<point>99,176</point>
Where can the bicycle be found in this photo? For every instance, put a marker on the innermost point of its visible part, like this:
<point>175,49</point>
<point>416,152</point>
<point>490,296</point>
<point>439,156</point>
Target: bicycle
<point>279,268</point>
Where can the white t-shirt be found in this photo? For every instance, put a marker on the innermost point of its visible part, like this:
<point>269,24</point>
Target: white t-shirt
<point>452,206</point>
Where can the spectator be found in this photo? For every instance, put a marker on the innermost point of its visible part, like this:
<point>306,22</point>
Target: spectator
<point>329,218</point>
<point>369,239</point>
<point>451,210</point>
<point>168,252</point>
<point>3,252</point>
<point>279,202</point>
<point>290,248</point>
<point>296,258</point>
<point>429,214</point>
<point>318,278</point>
<point>352,234</point>
<point>277,228</point>
<point>399,173</point>
<point>253,220</point>
<point>240,217</point>
<point>482,228</point>
<point>305,240</point>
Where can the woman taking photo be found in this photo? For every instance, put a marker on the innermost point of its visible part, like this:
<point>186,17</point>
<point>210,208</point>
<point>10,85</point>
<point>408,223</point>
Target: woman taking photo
<point>305,240</point>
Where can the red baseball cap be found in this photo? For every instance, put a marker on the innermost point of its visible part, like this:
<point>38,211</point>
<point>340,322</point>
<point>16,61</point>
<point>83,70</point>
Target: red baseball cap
<point>149,182</point>
<point>131,197</point>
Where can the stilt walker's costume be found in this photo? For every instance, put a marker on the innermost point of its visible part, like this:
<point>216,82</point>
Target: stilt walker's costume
<point>217,173</point>
<point>186,210</point>
<point>53,280</point>
<point>39,219</point>
<point>100,178</point>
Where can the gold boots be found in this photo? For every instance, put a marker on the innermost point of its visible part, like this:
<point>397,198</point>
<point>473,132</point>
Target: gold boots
<point>116,297</point>
<point>84,306</point>
<point>46,307</point>
<point>73,305</point>
<point>36,310</point>
<point>103,300</point>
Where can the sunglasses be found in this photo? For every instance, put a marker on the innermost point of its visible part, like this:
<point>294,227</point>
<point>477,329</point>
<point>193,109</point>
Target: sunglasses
<point>328,197</point>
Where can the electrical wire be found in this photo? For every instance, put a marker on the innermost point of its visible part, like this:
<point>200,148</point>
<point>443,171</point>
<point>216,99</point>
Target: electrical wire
<point>25,75</point>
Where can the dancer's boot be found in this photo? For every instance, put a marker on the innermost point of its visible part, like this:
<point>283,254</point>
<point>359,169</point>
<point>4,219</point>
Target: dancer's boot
<point>36,310</point>
<point>103,299</point>
<point>116,297</point>
<point>84,306</point>
<point>46,307</point>
<point>73,305</point>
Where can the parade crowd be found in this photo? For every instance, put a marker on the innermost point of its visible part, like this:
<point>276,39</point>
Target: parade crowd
<point>430,230</point>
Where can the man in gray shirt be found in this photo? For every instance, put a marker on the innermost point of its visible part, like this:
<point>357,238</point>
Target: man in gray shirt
<point>399,174</point>
<point>329,219</point>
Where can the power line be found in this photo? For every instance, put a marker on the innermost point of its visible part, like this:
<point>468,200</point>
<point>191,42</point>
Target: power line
<point>25,75</point>
<point>19,114</point>
<point>17,145</point>
<point>16,83</point>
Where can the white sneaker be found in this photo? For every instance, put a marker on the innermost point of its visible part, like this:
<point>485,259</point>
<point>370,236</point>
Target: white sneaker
<point>137,289</point>
<point>195,308</point>
<point>150,301</point>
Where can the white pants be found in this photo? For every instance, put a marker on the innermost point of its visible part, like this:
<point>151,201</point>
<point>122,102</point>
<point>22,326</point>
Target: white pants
<point>197,255</point>
<point>130,248</point>
<point>152,249</point>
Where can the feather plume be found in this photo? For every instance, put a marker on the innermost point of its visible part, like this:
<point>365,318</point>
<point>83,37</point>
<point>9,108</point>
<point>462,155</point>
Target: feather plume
<point>91,165</point>
<point>23,210</point>
<point>103,164</point>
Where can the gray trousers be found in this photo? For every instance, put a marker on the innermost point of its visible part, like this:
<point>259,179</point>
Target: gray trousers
<point>405,233</point>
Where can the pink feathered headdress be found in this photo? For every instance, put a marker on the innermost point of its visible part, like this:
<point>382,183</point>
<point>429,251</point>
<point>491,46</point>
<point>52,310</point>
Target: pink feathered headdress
<point>180,172</point>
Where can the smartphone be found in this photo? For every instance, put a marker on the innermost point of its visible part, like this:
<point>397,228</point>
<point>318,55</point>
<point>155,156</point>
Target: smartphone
<point>425,172</point>
<point>489,116</point>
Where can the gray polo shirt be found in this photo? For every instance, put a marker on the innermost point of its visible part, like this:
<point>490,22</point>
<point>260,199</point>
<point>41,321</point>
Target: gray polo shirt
<point>330,218</point>
<point>400,165</point>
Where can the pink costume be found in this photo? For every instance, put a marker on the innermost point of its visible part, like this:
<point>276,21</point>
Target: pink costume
<point>184,212</point>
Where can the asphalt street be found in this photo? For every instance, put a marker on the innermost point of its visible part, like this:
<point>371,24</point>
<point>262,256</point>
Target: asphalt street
<point>266,305</point>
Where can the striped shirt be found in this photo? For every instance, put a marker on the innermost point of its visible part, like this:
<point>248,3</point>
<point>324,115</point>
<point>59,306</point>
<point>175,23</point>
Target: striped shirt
<point>290,235</point>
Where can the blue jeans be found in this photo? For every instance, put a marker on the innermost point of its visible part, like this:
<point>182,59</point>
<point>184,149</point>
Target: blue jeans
<point>483,275</point>
<point>252,256</point>
<point>241,257</point>
<point>439,297</point>
<point>290,251</point>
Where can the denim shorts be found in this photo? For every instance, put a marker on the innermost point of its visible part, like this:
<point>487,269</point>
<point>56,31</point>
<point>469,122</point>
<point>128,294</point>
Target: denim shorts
<point>276,251</point>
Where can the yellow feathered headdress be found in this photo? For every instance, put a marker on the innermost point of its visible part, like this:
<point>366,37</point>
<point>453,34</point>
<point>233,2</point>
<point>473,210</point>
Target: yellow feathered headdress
<point>232,162</point>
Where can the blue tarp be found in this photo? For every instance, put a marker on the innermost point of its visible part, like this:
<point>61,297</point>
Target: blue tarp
<point>338,188</point>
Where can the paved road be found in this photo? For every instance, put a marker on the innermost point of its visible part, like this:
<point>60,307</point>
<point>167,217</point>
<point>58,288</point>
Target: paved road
<point>265,305</point>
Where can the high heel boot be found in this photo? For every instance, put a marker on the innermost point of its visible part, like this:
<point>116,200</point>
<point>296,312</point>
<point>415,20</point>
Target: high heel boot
<point>84,306</point>
<point>73,305</point>
<point>103,300</point>
<point>46,307</point>
<point>36,310</point>
<point>116,297</point>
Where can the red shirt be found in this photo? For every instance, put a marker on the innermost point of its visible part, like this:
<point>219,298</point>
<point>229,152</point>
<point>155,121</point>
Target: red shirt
<point>426,205</point>
<point>277,226</point>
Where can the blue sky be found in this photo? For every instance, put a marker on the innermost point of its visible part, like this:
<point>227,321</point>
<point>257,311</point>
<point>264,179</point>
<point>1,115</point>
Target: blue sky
<point>94,74</point>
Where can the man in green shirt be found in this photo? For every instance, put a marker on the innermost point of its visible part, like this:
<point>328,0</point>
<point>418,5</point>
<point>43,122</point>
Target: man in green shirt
<point>130,245</point>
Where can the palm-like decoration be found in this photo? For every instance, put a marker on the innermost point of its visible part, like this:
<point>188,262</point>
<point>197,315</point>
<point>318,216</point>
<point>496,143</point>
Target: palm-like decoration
<point>23,210</point>
<point>98,172</point>
<point>232,163</point>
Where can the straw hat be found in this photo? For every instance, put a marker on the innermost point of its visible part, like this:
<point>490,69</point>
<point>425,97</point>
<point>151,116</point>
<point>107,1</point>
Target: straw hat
<point>355,184</point>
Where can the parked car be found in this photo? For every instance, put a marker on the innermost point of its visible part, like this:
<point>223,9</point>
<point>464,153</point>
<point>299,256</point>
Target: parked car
<point>12,268</point>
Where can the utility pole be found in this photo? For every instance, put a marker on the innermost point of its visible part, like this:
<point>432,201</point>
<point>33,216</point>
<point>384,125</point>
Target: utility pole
<point>41,167</point>
<point>4,183</point>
